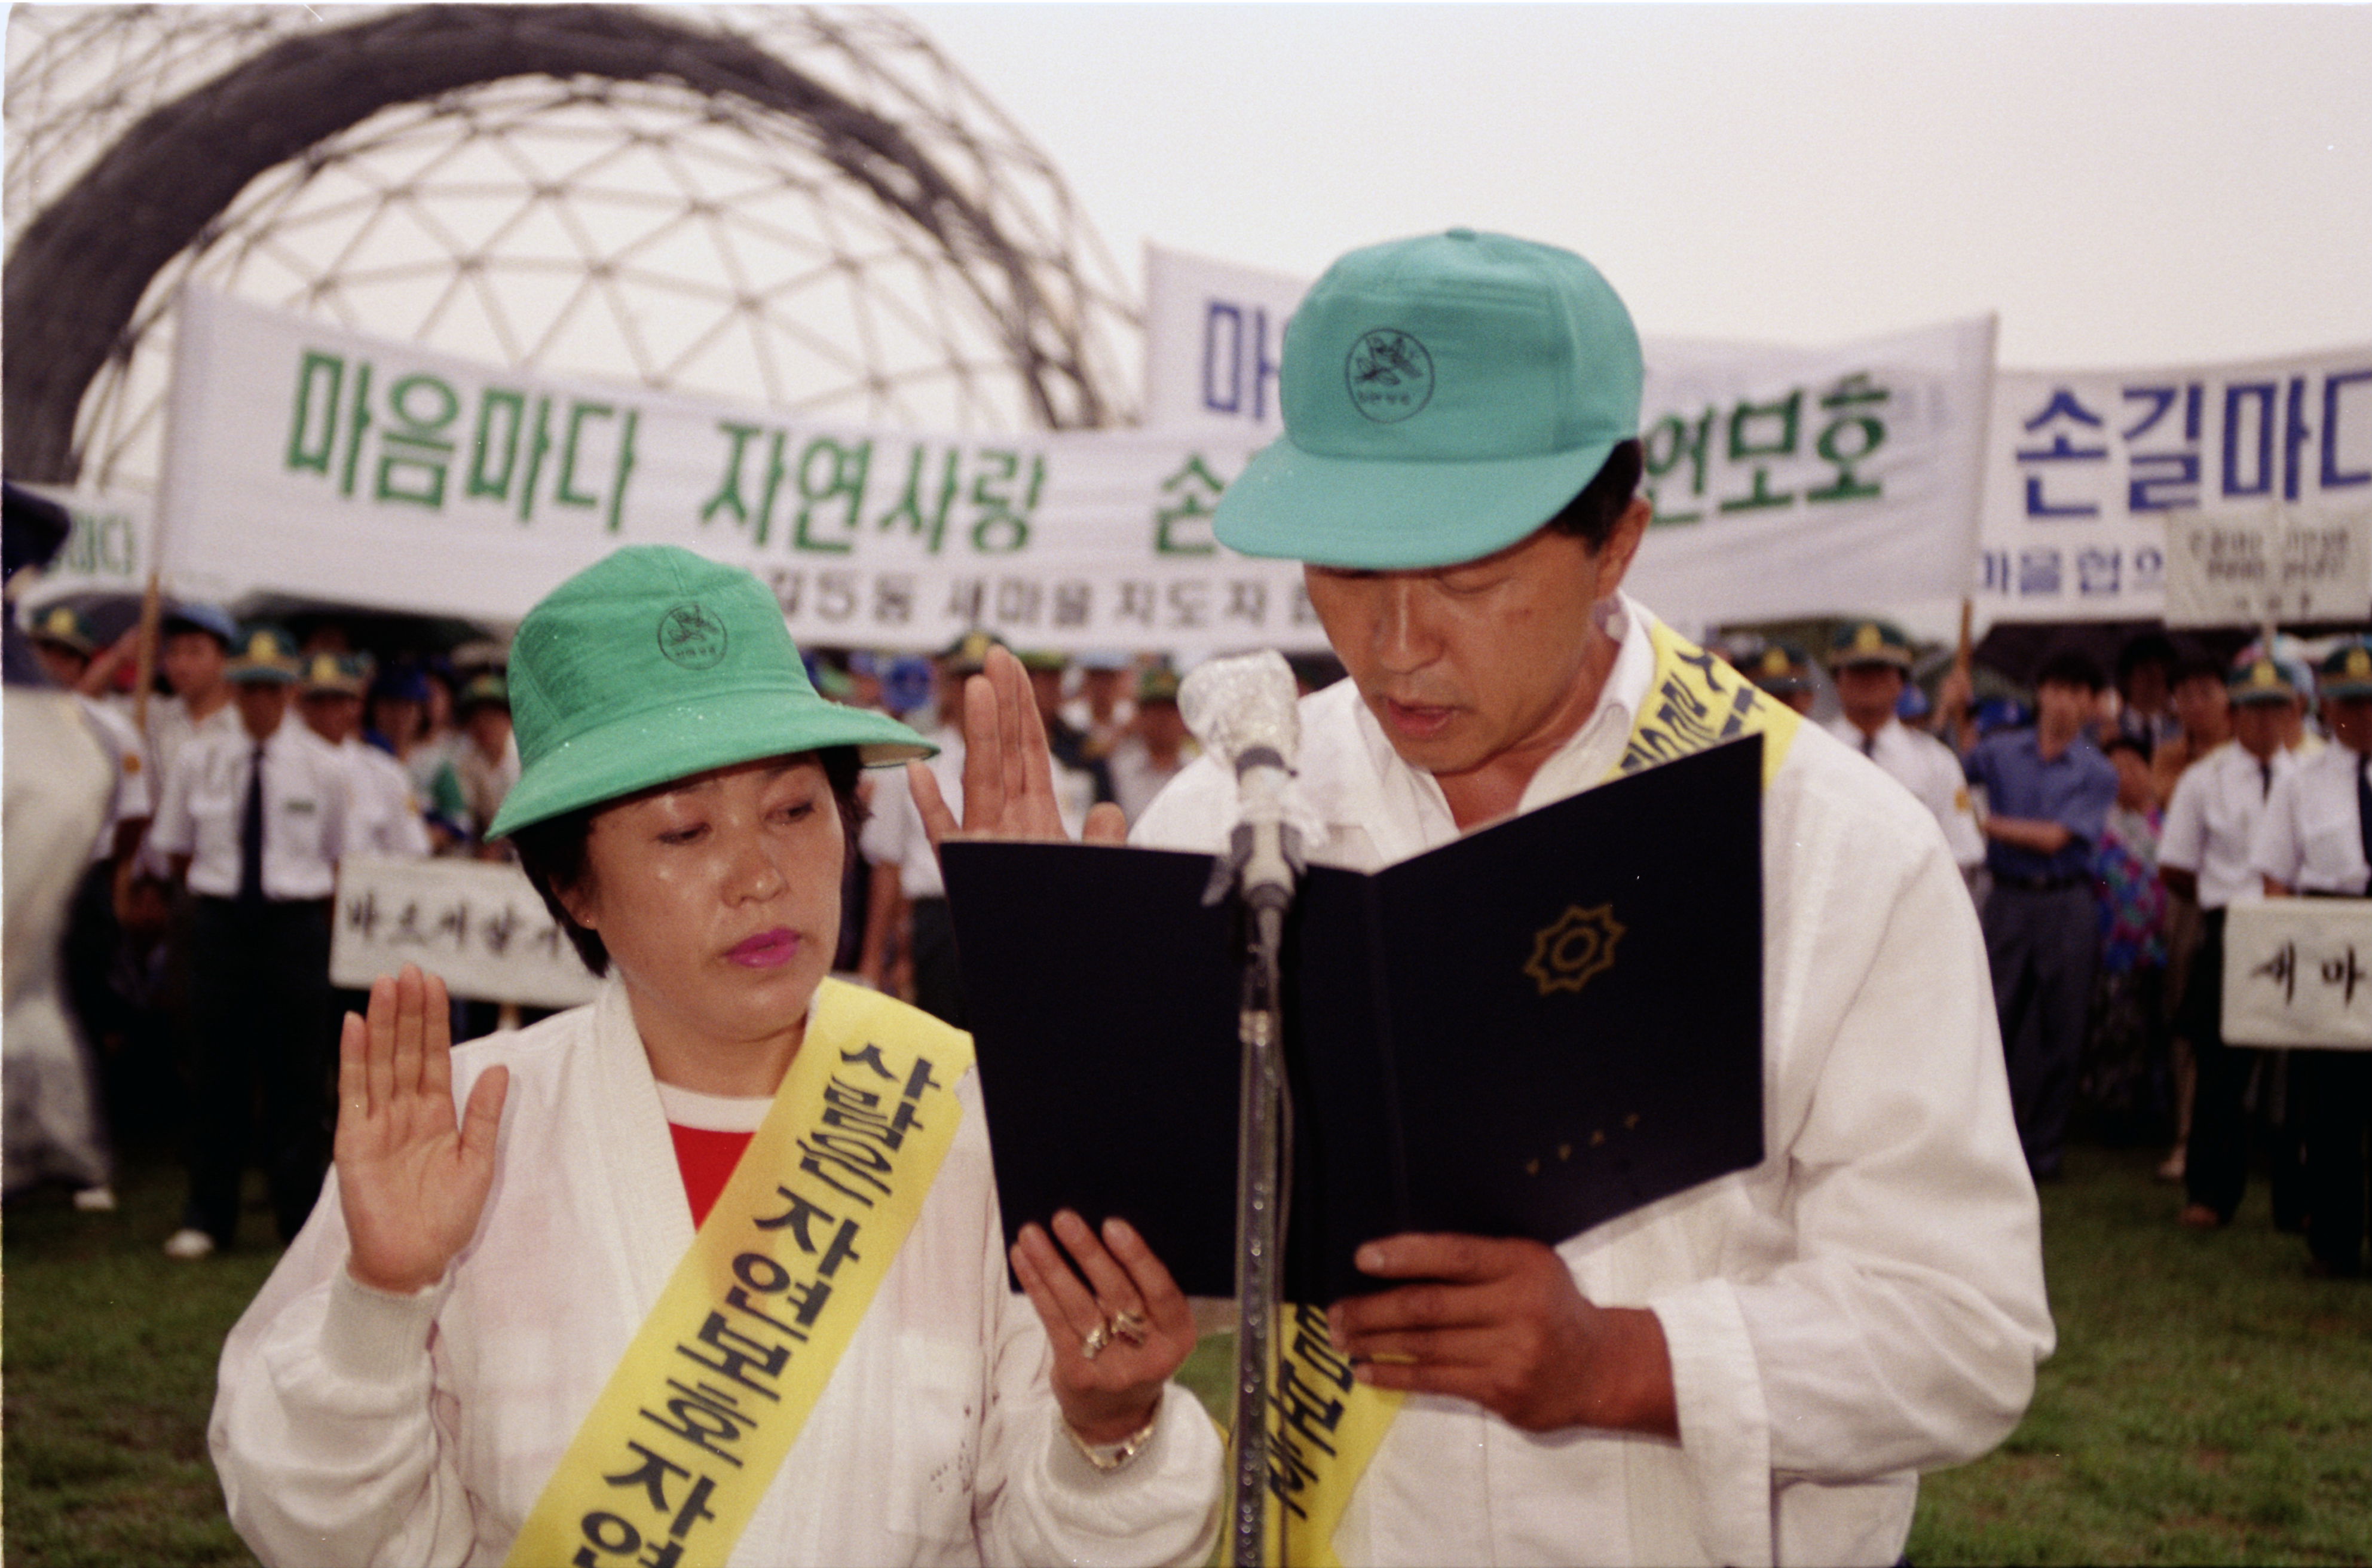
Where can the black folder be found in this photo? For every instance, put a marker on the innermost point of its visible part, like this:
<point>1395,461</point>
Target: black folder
<point>1527,1032</point>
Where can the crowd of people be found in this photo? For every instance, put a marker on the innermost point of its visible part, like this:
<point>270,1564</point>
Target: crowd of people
<point>549,1306</point>
<point>195,949</point>
<point>2105,833</point>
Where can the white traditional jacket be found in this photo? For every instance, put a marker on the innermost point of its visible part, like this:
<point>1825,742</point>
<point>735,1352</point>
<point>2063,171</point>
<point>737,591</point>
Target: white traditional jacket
<point>1865,1304</point>
<point>353,1426</point>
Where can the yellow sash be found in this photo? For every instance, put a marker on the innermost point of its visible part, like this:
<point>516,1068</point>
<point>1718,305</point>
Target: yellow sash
<point>1323,1425</point>
<point>674,1456</point>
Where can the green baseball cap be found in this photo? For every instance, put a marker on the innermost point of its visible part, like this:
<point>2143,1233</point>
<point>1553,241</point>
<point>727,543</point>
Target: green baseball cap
<point>2261,679</point>
<point>1443,398</point>
<point>263,656</point>
<point>655,664</point>
<point>1869,642</point>
<point>2348,669</point>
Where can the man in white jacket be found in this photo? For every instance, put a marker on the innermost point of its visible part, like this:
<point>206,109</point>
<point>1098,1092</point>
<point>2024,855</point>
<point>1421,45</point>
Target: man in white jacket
<point>1756,1369</point>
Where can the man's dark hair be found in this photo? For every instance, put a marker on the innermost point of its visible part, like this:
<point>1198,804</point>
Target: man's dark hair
<point>2147,648</point>
<point>551,852</point>
<point>2071,666</point>
<point>2117,743</point>
<point>1591,517</point>
<point>2199,666</point>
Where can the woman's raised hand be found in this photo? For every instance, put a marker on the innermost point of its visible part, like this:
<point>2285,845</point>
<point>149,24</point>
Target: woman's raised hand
<point>1009,776</point>
<point>410,1178</point>
<point>1119,1333</point>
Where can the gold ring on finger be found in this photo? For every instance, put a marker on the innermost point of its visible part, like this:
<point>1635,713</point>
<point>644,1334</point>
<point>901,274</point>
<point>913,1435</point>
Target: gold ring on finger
<point>1129,1326</point>
<point>1096,1338</point>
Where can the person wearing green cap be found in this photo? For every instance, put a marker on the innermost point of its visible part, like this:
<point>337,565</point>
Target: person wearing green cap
<point>712,1267</point>
<point>1755,1370</point>
<point>2315,839</point>
<point>252,825</point>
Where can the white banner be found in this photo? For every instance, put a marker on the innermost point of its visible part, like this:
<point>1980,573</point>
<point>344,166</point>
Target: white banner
<point>2267,564</point>
<point>2085,471</point>
<point>1786,482</point>
<point>330,465</point>
<point>477,924</point>
<point>1214,332</point>
<point>2294,969</point>
<point>108,548</point>
<point>1812,482</point>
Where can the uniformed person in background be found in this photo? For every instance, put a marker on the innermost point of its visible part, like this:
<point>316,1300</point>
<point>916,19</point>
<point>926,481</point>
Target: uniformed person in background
<point>1870,662</point>
<point>1156,745</point>
<point>1081,779</point>
<point>486,763</point>
<point>253,823</point>
<point>910,943</point>
<point>1781,669</point>
<point>2204,855</point>
<point>384,815</point>
<point>2315,839</point>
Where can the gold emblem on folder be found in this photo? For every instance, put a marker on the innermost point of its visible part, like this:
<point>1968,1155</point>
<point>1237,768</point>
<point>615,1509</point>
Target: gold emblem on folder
<point>1576,950</point>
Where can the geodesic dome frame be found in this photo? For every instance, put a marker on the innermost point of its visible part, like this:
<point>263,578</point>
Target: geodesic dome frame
<point>943,250</point>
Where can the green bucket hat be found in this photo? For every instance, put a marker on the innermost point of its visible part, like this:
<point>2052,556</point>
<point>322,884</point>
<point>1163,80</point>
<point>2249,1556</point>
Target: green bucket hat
<point>656,664</point>
<point>1443,398</point>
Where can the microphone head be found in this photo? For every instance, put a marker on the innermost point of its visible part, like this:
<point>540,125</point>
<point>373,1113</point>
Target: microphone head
<point>1244,703</point>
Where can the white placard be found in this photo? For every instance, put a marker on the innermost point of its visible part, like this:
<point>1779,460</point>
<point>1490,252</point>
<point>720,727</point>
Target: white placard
<point>329,465</point>
<point>476,923</point>
<point>1785,481</point>
<point>2085,470</point>
<point>2297,972</point>
<point>2268,563</point>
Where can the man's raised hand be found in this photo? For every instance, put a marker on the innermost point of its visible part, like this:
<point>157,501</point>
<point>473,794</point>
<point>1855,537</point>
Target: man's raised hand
<point>1008,777</point>
<point>412,1178</point>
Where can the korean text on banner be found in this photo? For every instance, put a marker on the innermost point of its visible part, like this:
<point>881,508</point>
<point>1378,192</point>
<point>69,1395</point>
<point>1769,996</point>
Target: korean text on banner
<point>322,463</point>
<point>477,924</point>
<point>2085,472</point>
<point>1214,332</point>
<point>2268,563</point>
<point>1786,481</point>
<point>1813,481</point>
<point>108,549</point>
<point>2297,972</point>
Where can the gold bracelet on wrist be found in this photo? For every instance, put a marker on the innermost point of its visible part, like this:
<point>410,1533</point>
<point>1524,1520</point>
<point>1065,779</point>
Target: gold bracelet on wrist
<point>1109,1456</point>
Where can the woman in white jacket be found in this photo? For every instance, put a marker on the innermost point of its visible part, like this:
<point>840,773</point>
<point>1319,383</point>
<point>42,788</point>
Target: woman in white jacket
<point>504,1340</point>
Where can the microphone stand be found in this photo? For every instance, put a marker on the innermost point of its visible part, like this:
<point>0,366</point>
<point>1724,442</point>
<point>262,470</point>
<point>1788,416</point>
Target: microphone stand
<point>1260,1228</point>
<point>1262,861</point>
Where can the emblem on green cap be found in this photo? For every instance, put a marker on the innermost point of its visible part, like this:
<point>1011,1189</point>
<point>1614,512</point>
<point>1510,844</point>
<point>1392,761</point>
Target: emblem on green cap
<point>691,636</point>
<point>1389,376</point>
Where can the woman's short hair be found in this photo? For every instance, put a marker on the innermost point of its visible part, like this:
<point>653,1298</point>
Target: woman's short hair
<point>551,852</point>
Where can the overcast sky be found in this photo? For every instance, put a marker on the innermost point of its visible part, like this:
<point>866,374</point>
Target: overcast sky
<point>2126,185</point>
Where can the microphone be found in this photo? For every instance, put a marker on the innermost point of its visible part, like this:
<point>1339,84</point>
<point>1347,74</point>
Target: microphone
<point>1245,711</point>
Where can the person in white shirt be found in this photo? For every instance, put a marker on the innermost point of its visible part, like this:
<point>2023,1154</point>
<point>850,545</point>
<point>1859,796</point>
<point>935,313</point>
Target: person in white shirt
<point>2203,855</point>
<point>252,824</point>
<point>1870,661</point>
<point>1156,746</point>
<point>910,943</point>
<point>383,814</point>
<point>1751,1371</point>
<point>710,1270</point>
<point>2316,839</point>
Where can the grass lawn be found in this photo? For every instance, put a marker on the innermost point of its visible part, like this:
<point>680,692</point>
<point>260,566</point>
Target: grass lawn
<point>2208,1402</point>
